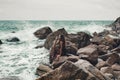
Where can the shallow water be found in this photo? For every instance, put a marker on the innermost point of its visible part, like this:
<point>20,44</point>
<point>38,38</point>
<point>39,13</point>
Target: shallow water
<point>21,58</point>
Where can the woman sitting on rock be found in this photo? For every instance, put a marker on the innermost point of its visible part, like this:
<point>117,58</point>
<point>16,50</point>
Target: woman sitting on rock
<point>58,48</point>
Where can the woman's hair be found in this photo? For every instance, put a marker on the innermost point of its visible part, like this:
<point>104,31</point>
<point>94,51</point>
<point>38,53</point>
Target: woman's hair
<point>62,38</point>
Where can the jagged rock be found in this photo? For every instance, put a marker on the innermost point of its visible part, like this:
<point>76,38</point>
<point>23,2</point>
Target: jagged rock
<point>86,66</point>
<point>81,39</point>
<point>68,71</point>
<point>13,39</point>
<point>42,69</point>
<point>57,63</point>
<point>89,53</point>
<point>101,64</point>
<point>111,42</point>
<point>116,67</point>
<point>113,58</point>
<point>11,78</point>
<point>71,48</point>
<point>43,32</point>
<point>63,59</point>
<point>51,37</point>
<point>0,42</point>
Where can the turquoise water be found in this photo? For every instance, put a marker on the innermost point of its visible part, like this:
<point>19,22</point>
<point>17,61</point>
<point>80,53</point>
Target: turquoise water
<point>21,58</point>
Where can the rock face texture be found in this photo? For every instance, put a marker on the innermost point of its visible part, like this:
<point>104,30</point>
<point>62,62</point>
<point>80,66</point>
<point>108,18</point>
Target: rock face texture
<point>43,32</point>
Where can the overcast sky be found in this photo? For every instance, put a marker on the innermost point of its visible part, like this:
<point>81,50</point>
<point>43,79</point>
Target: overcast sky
<point>59,9</point>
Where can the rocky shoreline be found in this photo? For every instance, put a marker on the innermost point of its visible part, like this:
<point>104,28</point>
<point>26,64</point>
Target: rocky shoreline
<point>90,57</point>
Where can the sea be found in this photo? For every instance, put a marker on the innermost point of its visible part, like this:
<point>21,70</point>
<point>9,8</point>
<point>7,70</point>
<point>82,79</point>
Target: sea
<point>21,58</point>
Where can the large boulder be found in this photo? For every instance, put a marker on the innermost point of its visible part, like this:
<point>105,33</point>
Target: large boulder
<point>13,39</point>
<point>51,37</point>
<point>86,66</point>
<point>81,39</point>
<point>71,48</point>
<point>42,33</point>
<point>62,59</point>
<point>68,71</point>
<point>89,53</point>
<point>113,58</point>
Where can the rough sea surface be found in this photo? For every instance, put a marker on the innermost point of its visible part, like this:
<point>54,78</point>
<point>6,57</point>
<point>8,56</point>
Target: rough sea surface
<point>21,58</point>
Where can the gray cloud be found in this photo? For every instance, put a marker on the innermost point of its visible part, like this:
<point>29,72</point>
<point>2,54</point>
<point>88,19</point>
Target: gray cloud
<point>59,9</point>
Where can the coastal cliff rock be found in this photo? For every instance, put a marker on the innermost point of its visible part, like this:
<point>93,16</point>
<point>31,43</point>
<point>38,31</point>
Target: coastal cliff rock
<point>43,32</point>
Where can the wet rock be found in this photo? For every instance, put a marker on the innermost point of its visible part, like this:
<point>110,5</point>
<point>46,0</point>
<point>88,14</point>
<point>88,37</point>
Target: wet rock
<point>68,71</point>
<point>13,39</point>
<point>85,65</point>
<point>11,78</point>
<point>51,37</point>
<point>43,32</point>
<point>42,69</point>
<point>0,42</point>
<point>89,53</point>
<point>113,58</point>
<point>116,67</point>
